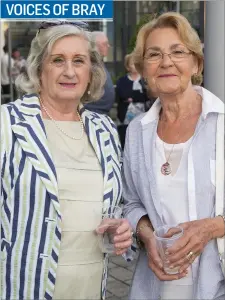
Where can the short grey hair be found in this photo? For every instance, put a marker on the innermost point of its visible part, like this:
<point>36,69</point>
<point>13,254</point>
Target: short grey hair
<point>41,45</point>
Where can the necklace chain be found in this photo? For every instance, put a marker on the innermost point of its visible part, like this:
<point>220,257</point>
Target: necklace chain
<point>166,167</point>
<point>60,129</point>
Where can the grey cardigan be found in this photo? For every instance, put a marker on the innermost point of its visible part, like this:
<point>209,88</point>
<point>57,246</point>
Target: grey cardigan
<point>141,194</point>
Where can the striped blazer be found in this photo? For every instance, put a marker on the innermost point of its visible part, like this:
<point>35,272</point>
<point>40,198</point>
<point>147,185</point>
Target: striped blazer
<point>30,208</point>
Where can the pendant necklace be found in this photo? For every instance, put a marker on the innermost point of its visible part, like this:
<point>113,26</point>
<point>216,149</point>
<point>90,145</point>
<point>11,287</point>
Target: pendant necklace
<point>166,168</point>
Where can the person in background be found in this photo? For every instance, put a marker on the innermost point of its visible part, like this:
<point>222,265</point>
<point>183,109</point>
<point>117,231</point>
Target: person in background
<point>19,66</point>
<point>60,171</point>
<point>129,89</point>
<point>169,167</point>
<point>5,80</point>
<point>105,103</point>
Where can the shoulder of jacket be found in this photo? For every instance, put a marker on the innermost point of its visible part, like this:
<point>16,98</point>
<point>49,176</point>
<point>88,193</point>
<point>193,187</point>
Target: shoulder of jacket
<point>94,116</point>
<point>121,79</point>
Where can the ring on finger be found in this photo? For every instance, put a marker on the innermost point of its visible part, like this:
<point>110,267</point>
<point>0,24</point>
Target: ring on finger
<point>189,256</point>
<point>194,256</point>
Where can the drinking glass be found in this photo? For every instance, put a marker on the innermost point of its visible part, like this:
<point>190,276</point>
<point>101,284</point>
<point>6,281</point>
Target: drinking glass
<point>106,230</point>
<point>166,236</point>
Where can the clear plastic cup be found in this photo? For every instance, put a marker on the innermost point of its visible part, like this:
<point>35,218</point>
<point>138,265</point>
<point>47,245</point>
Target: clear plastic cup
<point>106,230</point>
<point>166,236</point>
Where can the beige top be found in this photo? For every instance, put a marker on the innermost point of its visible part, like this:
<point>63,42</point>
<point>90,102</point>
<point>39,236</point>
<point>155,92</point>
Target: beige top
<point>80,181</point>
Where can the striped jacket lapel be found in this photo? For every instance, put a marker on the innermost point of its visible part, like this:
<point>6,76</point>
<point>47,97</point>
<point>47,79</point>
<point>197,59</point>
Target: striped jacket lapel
<point>34,143</point>
<point>99,138</point>
<point>103,137</point>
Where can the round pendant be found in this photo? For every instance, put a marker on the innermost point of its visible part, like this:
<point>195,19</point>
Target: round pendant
<point>166,169</point>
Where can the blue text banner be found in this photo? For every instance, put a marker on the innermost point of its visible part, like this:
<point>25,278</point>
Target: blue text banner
<point>14,9</point>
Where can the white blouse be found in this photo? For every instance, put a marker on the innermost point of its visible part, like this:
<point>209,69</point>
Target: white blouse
<point>173,191</point>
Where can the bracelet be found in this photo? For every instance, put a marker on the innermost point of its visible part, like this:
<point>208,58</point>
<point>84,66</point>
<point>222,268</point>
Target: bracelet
<point>139,242</point>
<point>141,227</point>
<point>222,216</point>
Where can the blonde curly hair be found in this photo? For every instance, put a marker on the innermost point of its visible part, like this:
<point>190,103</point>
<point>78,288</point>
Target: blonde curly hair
<point>186,33</point>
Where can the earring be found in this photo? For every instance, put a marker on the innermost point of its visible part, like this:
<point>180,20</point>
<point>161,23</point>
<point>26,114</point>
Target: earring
<point>88,92</point>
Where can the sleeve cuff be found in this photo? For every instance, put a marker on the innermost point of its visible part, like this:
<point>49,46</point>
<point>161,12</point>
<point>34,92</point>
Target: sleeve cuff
<point>134,217</point>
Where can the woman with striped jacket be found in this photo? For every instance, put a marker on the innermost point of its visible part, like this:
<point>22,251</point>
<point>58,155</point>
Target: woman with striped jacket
<point>60,169</point>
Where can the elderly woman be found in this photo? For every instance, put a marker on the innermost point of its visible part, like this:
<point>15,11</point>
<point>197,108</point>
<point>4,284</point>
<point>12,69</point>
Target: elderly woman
<point>60,171</point>
<point>169,166</point>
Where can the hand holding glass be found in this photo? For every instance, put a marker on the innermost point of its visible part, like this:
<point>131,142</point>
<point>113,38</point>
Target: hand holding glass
<point>107,229</point>
<point>166,236</point>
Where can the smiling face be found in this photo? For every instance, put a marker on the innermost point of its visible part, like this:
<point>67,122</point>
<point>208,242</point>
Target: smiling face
<point>66,70</point>
<point>166,76</point>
